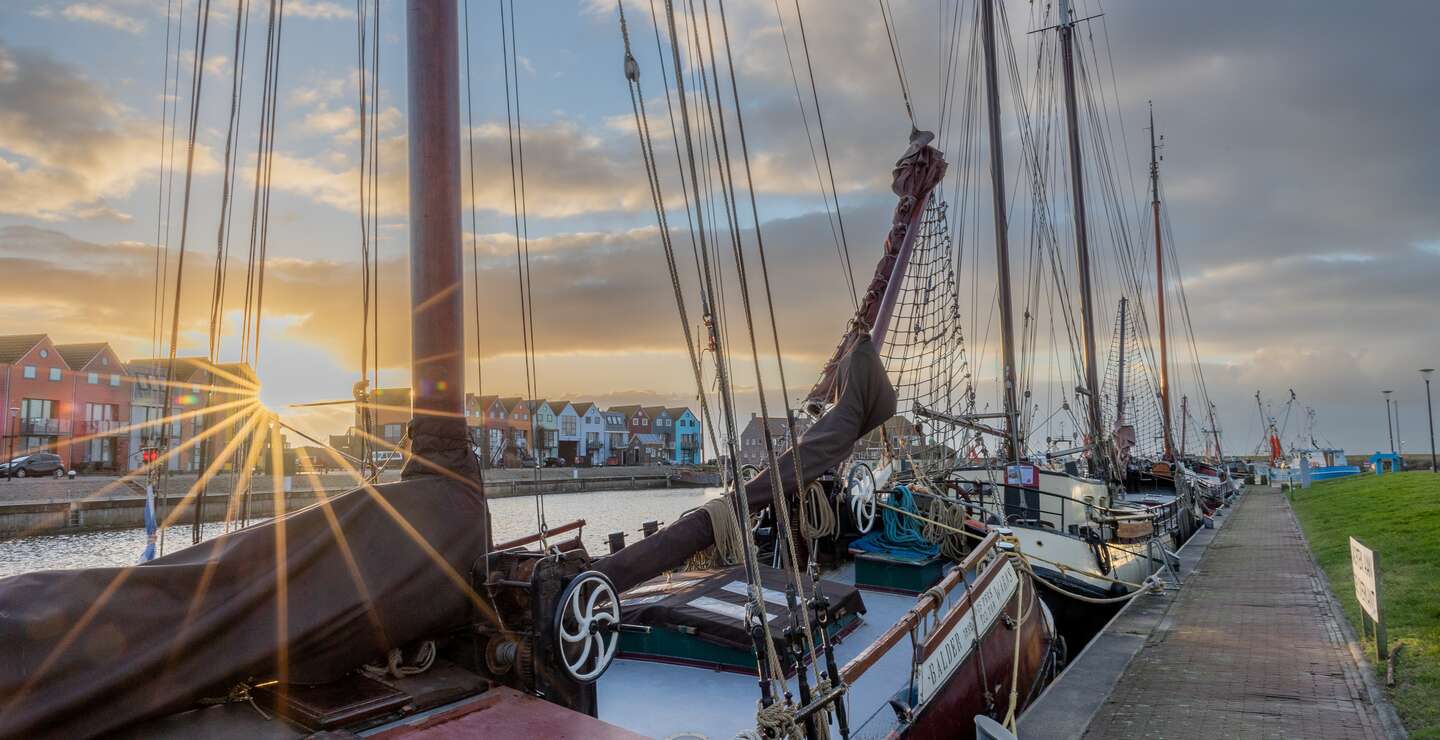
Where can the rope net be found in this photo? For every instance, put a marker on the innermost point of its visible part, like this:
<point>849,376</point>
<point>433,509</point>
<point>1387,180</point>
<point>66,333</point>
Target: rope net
<point>924,351</point>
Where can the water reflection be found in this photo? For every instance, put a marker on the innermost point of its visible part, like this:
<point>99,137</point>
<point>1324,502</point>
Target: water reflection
<point>603,511</point>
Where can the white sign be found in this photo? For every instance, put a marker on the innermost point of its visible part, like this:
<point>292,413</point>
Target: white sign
<point>1024,475</point>
<point>1362,564</point>
<point>959,642</point>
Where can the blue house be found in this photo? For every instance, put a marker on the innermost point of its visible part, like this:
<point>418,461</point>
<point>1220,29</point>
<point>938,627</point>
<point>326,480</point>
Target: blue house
<point>687,440</point>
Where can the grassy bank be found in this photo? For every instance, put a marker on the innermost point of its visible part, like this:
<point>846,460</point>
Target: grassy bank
<point>1398,516</point>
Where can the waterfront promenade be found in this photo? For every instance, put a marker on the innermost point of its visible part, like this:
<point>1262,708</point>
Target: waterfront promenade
<point>1250,647</point>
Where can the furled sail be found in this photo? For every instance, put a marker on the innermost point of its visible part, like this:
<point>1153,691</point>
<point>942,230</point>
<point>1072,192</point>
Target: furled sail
<point>306,597</point>
<point>854,393</point>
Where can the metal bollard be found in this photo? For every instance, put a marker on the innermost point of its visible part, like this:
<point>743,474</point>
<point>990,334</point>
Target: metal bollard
<point>649,527</point>
<point>616,541</point>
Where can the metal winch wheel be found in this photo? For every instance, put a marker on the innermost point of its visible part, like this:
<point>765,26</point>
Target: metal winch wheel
<point>860,487</point>
<point>587,626</point>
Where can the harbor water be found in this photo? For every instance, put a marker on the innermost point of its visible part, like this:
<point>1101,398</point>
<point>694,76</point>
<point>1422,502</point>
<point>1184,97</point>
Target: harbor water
<point>603,512</point>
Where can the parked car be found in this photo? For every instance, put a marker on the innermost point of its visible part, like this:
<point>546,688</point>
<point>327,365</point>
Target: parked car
<point>554,462</point>
<point>30,466</point>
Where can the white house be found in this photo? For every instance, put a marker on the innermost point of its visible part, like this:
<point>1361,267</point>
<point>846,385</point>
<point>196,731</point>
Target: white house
<point>567,427</point>
<point>592,433</point>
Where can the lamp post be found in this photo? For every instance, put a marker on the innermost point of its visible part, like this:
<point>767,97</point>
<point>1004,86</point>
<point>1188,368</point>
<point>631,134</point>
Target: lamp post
<point>15,430</point>
<point>1430,412</point>
<point>1389,427</point>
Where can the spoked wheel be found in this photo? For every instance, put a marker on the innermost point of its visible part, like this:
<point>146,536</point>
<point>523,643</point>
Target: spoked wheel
<point>748,473</point>
<point>587,624</point>
<point>860,486</point>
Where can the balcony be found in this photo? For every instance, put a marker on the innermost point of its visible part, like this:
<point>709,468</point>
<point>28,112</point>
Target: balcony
<point>100,427</point>
<point>36,427</point>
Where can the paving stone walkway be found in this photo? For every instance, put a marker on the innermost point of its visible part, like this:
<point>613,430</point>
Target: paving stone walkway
<point>1250,649</point>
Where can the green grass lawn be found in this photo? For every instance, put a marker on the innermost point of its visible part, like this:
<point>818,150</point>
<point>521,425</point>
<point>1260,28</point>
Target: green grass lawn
<point>1398,516</point>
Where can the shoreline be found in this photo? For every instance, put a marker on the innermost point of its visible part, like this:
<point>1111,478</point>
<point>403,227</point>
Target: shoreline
<point>35,518</point>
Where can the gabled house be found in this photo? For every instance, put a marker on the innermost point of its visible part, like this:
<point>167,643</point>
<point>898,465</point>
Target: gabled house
<point>687,438</point>
<point>485,418</point>
<point>661,425</point>
<point>592,433</point>
<point>567,431</point>
<point>752,438</point>
<point>38,393</point>
<point>100,407</point>
<point>636,420</point>
<point>547,444</point>
<point>617,436</point>
<point>201,395</point>
<point>519,424</point>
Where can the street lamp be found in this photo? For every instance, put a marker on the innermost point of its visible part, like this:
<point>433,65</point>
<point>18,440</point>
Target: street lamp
<point>14,414</point>
<point>1430,412</point>
<point>1389,426</point>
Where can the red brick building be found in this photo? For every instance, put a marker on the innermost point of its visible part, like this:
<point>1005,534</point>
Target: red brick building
<point>38,393</point>
<point>100,407</point>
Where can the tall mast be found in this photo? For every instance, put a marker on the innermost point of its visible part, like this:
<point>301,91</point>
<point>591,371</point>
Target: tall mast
<point>1002,238</point>
<point>1082,242</point>
<point>1160,292</point>
<point>438,431</point>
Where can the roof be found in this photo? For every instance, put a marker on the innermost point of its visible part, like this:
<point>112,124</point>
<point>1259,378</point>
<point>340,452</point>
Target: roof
<point>626,410</point>
<point>15,346</point>
<point>557,407</point>
<point>161,365</point>
<point>777,427</point>
<point>480,401</point>
<point>77,356</point>
<point>653,411</point>
<point>583,407</point>
<point>679,411</point>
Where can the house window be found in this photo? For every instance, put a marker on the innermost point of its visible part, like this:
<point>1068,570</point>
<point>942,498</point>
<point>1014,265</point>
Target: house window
<point>567,425</point>
<point>93,378</point>
<point>44,353</point>
<point>29,372</point>
<point>55,374</point>
<point>114,380</point>
<point>392,431</point>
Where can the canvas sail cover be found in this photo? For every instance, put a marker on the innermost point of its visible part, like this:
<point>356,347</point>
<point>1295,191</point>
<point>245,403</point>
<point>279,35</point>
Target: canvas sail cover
<point>86,652</point>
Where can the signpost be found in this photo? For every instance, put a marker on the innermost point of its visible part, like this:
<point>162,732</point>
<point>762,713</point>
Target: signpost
<point>1365,565</point>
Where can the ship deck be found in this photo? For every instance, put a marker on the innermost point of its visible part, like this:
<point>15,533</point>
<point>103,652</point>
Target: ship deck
<point>666,700</point>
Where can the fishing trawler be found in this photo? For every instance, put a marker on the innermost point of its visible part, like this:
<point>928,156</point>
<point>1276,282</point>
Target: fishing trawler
<point>388,611</point>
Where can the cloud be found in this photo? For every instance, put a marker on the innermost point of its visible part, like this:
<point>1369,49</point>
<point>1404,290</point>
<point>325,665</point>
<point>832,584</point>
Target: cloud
<point>65,144</point>
<point>317,10</point>
<point>102,15</point>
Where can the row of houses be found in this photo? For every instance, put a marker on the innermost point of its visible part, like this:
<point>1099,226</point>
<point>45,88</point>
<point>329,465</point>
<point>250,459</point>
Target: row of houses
<point>98,412</point>
<point>510,431</point>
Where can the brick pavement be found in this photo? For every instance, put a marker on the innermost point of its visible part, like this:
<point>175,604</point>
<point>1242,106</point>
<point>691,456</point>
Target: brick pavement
<point>1250,649</point>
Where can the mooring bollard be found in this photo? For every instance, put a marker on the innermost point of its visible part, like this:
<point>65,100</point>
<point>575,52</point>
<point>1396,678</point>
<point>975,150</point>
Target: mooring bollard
<point>616,541</point>
<point>649,527</point>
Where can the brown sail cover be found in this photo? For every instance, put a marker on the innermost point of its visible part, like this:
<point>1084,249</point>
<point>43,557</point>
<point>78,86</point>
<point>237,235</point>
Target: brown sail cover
<point>854,380</point>
<point>86,652</point>
<point>866,400</point>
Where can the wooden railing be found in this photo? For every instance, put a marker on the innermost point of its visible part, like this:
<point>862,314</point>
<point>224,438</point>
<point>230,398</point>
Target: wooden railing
<point>927,602</point>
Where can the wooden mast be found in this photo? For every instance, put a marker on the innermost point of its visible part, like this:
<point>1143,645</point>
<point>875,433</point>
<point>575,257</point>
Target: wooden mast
<point>1082,242</point>
<point>1160,293</point>
<point>1013,449</point>
<point>436,295</point>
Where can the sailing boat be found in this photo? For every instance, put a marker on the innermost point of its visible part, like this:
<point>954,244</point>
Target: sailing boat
<point>1090,550</point>
<point>389,610</point>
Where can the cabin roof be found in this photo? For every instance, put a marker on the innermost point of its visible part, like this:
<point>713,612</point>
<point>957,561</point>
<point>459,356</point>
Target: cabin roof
<point>77,356</point>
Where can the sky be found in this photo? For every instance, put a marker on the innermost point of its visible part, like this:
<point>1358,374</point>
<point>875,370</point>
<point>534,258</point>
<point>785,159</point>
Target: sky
<point>1299,177</point>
